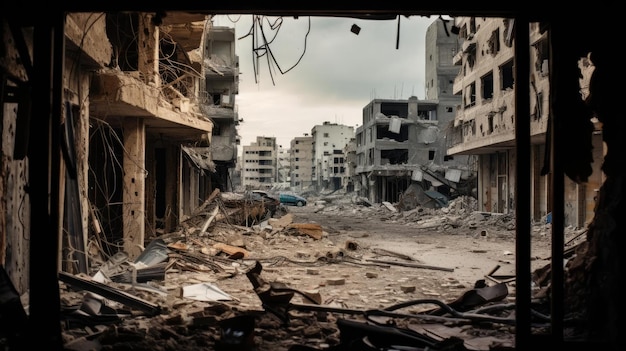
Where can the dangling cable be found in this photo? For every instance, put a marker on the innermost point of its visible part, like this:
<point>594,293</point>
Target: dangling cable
<point>398,34</point>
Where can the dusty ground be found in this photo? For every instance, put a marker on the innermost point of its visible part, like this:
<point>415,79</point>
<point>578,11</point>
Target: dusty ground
<point>368,258</point>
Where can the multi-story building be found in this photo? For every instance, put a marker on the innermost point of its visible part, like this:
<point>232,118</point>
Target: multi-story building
<point>259,164</point>
<point>402,142</point>
<point>129,98</point>
<point>301,163</point>
<point>350,181</point>
<point>148,94</point>
<point>485,120</point>
<point>329,141</point>
<point>221,82</point>
<point>282,168</point>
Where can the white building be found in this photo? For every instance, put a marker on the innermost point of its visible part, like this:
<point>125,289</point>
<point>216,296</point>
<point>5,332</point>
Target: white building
<point>259,164</point>
<point>329,141</point>
<point>282,168</point>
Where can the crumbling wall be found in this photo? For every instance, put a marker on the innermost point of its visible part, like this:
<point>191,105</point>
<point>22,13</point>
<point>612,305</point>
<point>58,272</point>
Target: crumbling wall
<point>14,206</point>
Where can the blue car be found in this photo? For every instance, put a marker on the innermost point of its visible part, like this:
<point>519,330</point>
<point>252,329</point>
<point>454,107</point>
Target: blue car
<point>292,200</point>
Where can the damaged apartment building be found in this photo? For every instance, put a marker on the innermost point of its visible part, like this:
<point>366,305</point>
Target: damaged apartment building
<point>401,145</point>
<point>148,131</point>
<point>484,124</point>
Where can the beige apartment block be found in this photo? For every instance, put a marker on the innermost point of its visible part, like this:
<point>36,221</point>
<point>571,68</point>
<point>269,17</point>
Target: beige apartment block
<point>484,124</point>
<point>259,164</point>
<point>301,163</point>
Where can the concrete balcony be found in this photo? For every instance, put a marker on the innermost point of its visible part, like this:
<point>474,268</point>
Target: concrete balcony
<point>116,94</point>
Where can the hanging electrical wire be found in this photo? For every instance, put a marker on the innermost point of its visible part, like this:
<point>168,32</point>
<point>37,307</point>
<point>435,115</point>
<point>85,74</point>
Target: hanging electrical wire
<point>258,34</point>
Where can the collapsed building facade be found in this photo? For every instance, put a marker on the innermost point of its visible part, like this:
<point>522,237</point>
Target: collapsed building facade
<point>148,130</point>
<point>401,144</point>
<point>484,124</point>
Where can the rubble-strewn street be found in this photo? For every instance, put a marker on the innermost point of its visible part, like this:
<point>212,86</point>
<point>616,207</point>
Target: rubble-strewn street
<point>310,278</point>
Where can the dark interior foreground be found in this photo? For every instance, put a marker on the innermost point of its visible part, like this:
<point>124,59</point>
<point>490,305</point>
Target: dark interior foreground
<point>592,286</point>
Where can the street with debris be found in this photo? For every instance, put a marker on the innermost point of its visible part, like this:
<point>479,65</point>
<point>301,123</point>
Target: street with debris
<point>329,275</point>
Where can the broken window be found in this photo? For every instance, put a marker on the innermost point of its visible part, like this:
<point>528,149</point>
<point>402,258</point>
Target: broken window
<point>394,157</point>
<point>121,30</point>
<point>494,42</point>
<point>469,95</point>
<point>470,51</point>
<point>469,128</point>
<point>217,129</point>
<point>382,132</point>
<point>486,83</point>
<point>472,28</point>
<point>507,75</point>
<point>400,109</point>
<point>429,115</point>
<point>509,31</point>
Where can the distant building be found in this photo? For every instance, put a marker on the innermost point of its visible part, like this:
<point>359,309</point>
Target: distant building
<point>329,141</point>
<point>350,181</point>
<point>282,168</point>
<point>221,86</point>
<point>401,144</point>
<point>259,164</point>
<point>301,163</point>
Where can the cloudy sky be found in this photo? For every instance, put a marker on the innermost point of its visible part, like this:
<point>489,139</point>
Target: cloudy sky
<point>317,70</point>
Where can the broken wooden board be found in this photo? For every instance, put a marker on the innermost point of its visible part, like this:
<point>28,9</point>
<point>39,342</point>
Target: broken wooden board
<point>281,222</point>
<point>311,229</point>
<point>231,250</point>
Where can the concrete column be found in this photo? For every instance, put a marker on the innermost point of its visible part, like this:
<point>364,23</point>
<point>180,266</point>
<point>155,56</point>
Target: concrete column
<point>134,185</point>
<point>148,38</point>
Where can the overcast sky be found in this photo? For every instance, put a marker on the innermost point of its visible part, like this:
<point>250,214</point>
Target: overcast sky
<point>329,74</point>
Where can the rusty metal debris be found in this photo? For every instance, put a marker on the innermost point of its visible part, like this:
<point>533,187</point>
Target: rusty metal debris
<point>376,329</point>
<point>218,244</point>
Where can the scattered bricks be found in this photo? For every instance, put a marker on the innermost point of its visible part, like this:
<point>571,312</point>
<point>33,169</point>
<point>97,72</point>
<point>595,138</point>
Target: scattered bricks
<point>217,309</point>
<point>371,274</point>
<point>312,331</point>
<point>175,320</point>
<point>335,281</point>
<point>407,288</point>
<point>207,320</point>
<point>312,271</point>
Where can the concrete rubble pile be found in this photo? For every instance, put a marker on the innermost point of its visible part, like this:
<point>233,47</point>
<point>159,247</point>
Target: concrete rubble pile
<point>234,278</point>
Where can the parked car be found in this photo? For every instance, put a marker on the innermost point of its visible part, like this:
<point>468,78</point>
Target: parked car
<point>292,199</point>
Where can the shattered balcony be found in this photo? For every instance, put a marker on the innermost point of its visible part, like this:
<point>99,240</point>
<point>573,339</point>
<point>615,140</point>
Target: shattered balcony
<point>116,94</point>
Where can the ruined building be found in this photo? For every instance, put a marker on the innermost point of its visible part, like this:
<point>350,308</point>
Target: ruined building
<point>329,168</point>
<point>484,124</point>
<point>401,145</point>
<point>142,121</point>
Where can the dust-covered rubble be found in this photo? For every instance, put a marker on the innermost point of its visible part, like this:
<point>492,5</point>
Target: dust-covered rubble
<point>206,282</point>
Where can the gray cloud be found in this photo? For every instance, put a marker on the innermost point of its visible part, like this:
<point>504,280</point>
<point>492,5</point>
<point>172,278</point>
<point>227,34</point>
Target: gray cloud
<point>337,74</point>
